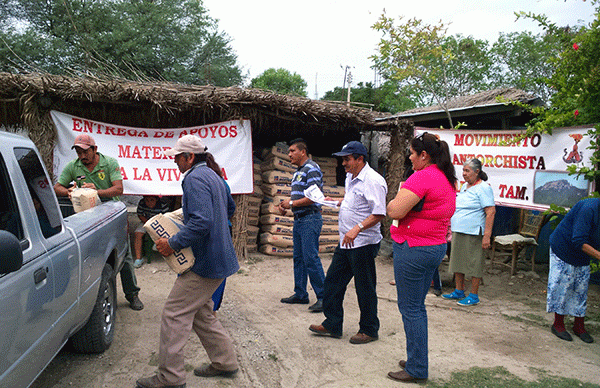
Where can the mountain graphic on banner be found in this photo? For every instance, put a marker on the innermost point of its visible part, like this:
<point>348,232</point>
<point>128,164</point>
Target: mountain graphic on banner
<point>559,192</point>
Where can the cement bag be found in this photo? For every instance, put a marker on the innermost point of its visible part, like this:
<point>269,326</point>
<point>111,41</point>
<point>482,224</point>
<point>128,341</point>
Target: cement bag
<point>272,208</point>
<point>278,240</point>
<point>272,250</point>
<point>330,219</point>
<point>84,198</point>
<point>327,248</point>
<point>272,219</point>
<point>334,191</point>
<point>328,239</point>
<point>275,189</point>
<point>280,150</point>
<point>276,163</point>
<point>330,229</point>
<point>163,225</point>
<point>276,176</point>
<point>278,229</point>
<point>325,161</point>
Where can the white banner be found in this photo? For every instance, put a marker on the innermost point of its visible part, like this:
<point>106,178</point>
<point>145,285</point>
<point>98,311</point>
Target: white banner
<point>139,151</point>
<point>531,173</point>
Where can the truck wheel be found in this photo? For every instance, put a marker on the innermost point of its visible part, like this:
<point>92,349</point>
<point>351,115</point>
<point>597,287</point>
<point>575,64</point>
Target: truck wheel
<point>97,334</point>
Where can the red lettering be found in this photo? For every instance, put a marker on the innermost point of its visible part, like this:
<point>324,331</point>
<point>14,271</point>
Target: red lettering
<point>136,153</point>
<point>233,131</point>
<point>169,173</point>
<point>124,151</point>
<point>76,124</point>
<point>88,126</point>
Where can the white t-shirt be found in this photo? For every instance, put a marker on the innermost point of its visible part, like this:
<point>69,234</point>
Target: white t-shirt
<point>365,195</point>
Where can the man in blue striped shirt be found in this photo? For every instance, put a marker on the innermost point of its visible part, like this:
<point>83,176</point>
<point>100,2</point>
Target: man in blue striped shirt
<point>307,227</point>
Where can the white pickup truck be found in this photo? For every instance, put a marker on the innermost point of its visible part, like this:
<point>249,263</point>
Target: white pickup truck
<point>57,273</point>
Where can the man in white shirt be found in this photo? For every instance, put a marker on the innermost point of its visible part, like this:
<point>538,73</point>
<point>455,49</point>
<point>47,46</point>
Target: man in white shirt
<point>361,211</point>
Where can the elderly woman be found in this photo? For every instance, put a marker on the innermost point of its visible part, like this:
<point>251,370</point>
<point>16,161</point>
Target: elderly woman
<point>422,210</point>
<point>471,232</point>
<point>572,244</point>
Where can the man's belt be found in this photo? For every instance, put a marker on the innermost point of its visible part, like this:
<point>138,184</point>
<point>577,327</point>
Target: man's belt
<point>306,212</point>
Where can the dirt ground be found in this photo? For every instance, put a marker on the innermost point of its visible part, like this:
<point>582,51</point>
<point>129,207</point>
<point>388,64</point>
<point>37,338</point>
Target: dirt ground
<point>510,328</point>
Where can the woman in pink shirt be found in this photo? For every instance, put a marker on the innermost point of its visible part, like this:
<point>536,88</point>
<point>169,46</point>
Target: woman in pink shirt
<point>422,211</point>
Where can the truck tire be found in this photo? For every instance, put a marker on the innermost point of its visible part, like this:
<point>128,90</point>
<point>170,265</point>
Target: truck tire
<point>97,334</point>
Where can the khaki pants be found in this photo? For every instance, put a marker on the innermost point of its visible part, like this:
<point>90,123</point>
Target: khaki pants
<point>189,306</point>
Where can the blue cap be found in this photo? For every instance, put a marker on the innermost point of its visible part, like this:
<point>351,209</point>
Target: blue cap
<point>353,147</point>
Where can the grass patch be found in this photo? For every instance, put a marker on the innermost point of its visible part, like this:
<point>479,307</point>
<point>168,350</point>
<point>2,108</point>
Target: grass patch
<point>535,318</point>
<point>513,318</point>
<point>499,377</point>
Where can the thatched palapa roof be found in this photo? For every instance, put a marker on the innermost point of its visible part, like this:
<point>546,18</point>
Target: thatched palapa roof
<point>25,98</point>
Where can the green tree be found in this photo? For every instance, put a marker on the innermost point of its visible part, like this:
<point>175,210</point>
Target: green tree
<point>280,81</point>
<point>523,60</point>
<point>174,40</point>
<point>436,67</point>
<point>576,82</point>
<point>385,98</point>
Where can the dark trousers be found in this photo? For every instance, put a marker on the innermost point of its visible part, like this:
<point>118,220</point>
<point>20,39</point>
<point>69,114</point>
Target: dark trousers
<point>128,279</point>
<point>346,264</point>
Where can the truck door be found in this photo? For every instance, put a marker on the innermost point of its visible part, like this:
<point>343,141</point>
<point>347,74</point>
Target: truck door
<point>27,315</point>
<point>59,243</point>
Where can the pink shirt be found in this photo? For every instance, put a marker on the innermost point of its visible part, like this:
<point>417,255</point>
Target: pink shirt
<point>430,225</point>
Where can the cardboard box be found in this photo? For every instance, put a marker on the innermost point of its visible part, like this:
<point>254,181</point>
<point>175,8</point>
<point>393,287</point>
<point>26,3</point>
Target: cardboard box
<point>83,199</point>
<point>162,225</point>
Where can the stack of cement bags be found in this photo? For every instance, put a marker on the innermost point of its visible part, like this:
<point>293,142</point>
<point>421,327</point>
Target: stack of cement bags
<point>275,228</point>
<point>254,202</point>
<point>276,236</point>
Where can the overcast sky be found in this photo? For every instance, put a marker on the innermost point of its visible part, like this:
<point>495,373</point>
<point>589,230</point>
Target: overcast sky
<point>317,38</point>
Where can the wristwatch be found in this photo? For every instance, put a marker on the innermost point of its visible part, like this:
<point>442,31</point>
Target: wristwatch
<point>291,203</point>
<point>361,226</point>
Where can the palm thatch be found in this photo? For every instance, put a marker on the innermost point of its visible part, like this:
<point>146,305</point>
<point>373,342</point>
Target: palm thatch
<point>26,99</point>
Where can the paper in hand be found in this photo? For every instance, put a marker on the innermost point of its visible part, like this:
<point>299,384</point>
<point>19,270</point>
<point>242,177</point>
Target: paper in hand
<point>316,195</point>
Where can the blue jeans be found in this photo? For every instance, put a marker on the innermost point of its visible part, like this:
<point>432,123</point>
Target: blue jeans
<point>346,264</point>
<point>437,281</point>
<point>307,263</point>
<point>413,270</point>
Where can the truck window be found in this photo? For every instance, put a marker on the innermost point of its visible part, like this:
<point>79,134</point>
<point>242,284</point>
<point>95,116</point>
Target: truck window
<point>9,212</point>
<point>41,191</point>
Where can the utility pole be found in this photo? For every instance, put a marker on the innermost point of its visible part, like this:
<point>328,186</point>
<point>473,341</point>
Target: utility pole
<point>347,77</point>
<point>316,94</point>
<point>349,85</point>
